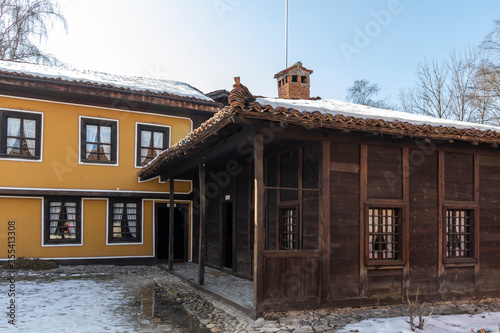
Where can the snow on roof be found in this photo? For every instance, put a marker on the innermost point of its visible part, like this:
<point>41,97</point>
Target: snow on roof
<point>135,83</point>
<point>334,107</point>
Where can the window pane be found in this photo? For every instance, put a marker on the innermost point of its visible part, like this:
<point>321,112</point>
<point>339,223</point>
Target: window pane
<point>105,153</point>
<point>29,128</point>
<point>14,127</point>
<point>106,134</point>
<point>145,139</point>
<point>158,140</point>
<point>92,133</point>
<point>91,153</point>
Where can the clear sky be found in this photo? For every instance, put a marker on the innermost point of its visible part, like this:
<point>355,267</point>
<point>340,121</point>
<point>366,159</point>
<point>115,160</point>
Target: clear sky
<point>206,43</point>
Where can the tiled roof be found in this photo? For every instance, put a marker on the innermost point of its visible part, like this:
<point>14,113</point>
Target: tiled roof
<point>152,86</point>
<point>327,114</point>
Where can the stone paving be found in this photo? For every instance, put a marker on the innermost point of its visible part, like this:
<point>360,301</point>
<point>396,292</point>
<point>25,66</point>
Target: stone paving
<point>126,293</point>
<point>236,289</point>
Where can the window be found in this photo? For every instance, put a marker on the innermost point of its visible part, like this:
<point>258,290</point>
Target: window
<point>151,141</point>
<point>21,135</point>
<point>289,228</point>
<point>98,141</point>
<point>125,221</point>
<point>62,221</point>
<point>304,79</point>
<point>459,236</point>
<point>384,236</point>
<point>294,78</point>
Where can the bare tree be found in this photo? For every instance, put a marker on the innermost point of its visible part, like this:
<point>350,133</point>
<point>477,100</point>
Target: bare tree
<point>24,24</point>
<point>362,92</point>
<point>407,100</point>
<point>431,93</point>
<point>462,88</point>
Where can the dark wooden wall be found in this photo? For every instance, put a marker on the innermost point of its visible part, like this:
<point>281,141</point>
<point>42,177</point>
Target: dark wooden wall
<point>420,178</point>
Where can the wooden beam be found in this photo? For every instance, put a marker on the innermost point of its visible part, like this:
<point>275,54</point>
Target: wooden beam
<point>477,211</point>
<point>494,145</point>
<point>363,182</point>
<point>202,238</point>
<point>325,222</point>
<point>171,225</point>
<point>406,228</point>
<point>474,143</point>
<point>441,197</point>
<point>259,209</point>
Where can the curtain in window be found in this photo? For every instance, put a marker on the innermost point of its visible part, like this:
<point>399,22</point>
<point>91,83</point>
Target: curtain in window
<point>132,219</point>
<point>145,142</point>
<point>71,217</point>
<point>55,210</point>
<point>158,140</point>
<point>91,138</point>
<point>29,134</point>
<point>13,134</point>
<point>117,218</point>
<point>105,132</point>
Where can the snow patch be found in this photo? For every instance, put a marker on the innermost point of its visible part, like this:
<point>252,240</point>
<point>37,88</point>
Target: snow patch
<point>334,107</point>
<point>135,83</point>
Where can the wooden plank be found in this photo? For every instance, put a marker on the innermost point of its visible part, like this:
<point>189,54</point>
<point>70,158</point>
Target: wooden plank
<point>324,213</point>
<point>441,177</point>
<point>300,198</point>
<point>406,228</point>
<point>477,212</point>
<point>259,209</point>
<point>171,226</point>
<point>344,167</point>
<point>202,237</point>
<point>363,182</point>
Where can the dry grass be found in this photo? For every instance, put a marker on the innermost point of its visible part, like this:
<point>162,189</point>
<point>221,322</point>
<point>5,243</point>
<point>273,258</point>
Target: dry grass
<point>30,264</point>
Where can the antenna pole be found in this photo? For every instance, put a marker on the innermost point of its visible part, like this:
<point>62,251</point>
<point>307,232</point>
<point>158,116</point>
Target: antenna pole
<point>286,33</point>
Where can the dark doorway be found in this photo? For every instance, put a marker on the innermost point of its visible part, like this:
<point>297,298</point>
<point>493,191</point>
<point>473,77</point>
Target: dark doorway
<point>227,235</point>
<point>181,214</point>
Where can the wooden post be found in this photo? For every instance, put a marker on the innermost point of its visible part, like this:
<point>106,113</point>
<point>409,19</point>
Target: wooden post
<point>441,197</point>
<point>201,239</point>
<point>477,211</point>
<point>406,229</point>
<point>324,211</point>
<point>363,183</point>
<point>171,226</point>
<point>258,273</point>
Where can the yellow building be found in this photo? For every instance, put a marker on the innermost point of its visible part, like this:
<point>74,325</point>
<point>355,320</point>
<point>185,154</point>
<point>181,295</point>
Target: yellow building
<point>71,143</point>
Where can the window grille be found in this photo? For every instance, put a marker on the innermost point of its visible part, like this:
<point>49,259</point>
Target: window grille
<point>289,228</point>
<point>459,233</point>
<point>384,234</point>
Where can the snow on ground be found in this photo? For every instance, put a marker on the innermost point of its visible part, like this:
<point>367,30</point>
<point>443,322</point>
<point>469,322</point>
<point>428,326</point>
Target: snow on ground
<point>76,306</point>
<point>436,324</point>
<point>334,107</point>
<point>121,81</point>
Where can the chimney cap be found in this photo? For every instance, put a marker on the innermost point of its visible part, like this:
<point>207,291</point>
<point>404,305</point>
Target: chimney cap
<point>297,65</point>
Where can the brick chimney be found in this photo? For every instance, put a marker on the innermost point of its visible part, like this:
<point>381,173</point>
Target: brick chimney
<point>294,82</point>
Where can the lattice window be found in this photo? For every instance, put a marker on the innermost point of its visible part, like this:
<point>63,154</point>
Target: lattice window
<point>125,222</point>
<point>20,135</point>
<point>151,142</point>
<point>98,141</point>
<point>459,238</point>
<point>62,220</point>
<point>289,228</point>
<point>384,233</point>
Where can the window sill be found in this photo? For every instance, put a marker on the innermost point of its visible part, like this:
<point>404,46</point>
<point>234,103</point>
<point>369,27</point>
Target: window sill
<point>464,262</point>
<point>386,263</point>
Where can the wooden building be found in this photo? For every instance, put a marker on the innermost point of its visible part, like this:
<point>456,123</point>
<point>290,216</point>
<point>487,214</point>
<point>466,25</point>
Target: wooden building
<point>325,203</point>
<point>71,143</point>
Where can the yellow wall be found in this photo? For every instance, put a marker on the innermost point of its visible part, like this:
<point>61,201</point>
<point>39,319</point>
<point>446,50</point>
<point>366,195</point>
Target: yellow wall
<point>27,213</point>
<point>60,167</point>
